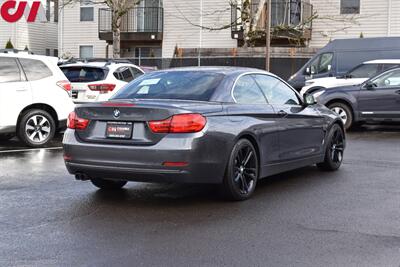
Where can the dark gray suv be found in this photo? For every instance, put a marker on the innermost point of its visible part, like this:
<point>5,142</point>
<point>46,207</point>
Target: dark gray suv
<point>375,100</point>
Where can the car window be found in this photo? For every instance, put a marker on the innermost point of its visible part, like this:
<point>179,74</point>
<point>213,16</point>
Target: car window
<point>9,71</point>
<point>124,74</point>
<point>247,91</point>
<point>276,91</point>
<point>321,64</point>
<point>183,85</point>
<point>389,66</point>
<point>364,71</point>
<point>389,79</point>
<point>35,69</point>
<point>83,74</point>
<point>325,63</point>
<point>136,72</point>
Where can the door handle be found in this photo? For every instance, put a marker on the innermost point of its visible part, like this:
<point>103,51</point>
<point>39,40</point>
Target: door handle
<point>282,113</point>
<point>21,89</point>
<point>397,92</point>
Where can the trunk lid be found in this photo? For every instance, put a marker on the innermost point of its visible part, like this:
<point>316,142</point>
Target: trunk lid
<point>136,113</point>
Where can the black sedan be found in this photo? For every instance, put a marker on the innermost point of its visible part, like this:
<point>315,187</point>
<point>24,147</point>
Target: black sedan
<point>376,100</point>
<point>228,126</point>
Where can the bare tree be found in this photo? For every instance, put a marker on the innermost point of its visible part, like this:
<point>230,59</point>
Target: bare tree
<point>118,9</point>
<point>251,20</point>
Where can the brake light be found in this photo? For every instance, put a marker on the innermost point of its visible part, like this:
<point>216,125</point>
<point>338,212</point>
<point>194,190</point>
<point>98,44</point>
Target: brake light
<point>74,122</point>
<point>66,85</point>
<point>102,88</point>
<point>181,123</point>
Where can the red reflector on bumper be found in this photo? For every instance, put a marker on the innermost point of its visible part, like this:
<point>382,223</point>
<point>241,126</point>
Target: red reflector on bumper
<point>175,164</point>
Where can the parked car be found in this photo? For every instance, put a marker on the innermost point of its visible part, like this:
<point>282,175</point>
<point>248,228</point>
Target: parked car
<point>375,100</point>
<point>99,80</point>
<point>34,97</point>
<point>341,55</point>
<point>358,75</point>
<point>229,126</point>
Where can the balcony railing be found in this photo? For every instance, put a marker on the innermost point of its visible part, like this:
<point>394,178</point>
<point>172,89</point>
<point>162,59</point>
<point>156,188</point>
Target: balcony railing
<point>285,14</point>
<point>138,20</point>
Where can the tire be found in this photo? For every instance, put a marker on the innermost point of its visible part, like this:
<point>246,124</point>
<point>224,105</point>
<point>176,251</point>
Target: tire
<point>36,128</point>
<point>242,171</point>
<point>334,149</point>
<point>107,184</point>
<point>344,112</point>
<point>6,137</point>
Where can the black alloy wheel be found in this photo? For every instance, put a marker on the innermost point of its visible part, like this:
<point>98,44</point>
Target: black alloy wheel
<point>242,171</point>
<point>334,150</point>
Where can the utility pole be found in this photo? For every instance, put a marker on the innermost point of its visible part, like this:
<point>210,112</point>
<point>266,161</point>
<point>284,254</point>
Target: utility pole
<point>268,35</point>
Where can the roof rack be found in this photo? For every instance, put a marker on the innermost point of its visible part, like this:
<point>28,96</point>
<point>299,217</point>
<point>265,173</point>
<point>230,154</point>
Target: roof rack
<point>15,51</point>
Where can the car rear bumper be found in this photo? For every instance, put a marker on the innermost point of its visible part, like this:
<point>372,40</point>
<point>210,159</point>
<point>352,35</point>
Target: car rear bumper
<point>205,164</point>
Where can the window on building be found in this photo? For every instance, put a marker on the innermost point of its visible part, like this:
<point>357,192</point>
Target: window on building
<point>349,6</point>
<point>47,52</point>
<point>86,51</point>
<point>56,52</point>
<point>87,11</point>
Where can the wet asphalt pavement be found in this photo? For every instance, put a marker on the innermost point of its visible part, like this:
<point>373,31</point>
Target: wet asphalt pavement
<point>301,218</point>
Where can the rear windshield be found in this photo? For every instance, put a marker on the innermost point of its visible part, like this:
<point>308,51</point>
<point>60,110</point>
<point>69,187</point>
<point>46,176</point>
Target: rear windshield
<point>183,85</point>
<point>84,74</point>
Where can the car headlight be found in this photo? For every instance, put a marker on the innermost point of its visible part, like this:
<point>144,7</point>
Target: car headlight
<point>317,94</point>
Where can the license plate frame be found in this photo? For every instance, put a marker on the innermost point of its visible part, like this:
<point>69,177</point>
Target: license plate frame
<point>119,130</point>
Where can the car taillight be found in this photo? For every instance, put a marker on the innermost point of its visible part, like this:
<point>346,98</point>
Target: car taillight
<point>103,88</point>
<point>181,123</point>
<point>66,85</point>
<point>74,122</point>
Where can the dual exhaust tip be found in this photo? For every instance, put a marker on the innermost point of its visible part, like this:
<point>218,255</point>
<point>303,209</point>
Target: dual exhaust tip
<point>82,177</point>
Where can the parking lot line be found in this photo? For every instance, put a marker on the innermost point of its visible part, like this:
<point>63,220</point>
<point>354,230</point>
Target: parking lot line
<point>27,150</point>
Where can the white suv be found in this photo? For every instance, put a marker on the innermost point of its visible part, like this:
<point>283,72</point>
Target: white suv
<point>34,97</point>
<point>355,76</point>
<point>97,80</point>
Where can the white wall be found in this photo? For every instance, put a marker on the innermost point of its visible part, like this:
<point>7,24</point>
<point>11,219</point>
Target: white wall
<point>376,19</point>
<point>72,32</point>
<point>178,16</point>
<point>38,36</point>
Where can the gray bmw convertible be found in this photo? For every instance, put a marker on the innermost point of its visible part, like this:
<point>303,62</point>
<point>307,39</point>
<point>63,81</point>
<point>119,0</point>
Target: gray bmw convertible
<point>219,125</point>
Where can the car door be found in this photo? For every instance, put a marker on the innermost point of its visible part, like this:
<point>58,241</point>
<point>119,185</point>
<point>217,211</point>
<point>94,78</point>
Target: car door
<point>15,91</point>
<point>301,130</point>
<point>379,98</point>
<point>252,109</point>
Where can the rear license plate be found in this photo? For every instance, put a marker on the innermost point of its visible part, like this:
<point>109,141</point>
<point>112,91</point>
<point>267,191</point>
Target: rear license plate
<point>121,130</point>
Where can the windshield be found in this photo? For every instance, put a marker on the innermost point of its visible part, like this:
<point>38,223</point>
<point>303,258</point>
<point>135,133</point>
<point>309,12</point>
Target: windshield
<point>83,74</point>
<point>364,71</point>
<point>183,85</point>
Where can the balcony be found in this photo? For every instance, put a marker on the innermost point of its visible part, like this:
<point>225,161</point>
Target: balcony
<point>290,23</point>
<point>140,24</point>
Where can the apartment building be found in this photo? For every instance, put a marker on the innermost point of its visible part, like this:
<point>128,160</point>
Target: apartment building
<point>156,28</point>
<point>352,18</point>
<point>40,36</point>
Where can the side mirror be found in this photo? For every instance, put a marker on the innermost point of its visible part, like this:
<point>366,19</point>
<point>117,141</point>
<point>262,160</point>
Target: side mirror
<point>308,100</point>
<point>369,85</point>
